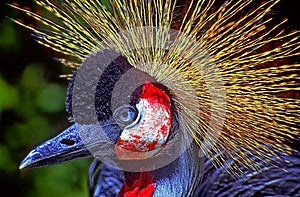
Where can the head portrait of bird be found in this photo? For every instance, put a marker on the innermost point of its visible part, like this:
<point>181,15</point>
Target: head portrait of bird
<point>175,97</point>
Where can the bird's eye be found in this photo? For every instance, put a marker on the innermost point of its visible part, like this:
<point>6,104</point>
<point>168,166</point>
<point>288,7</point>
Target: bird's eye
<point>126,115</point>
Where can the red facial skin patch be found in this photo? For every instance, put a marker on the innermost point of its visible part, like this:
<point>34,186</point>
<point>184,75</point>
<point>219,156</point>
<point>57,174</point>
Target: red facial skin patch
<point>142,187</point>
<point>148,136</point>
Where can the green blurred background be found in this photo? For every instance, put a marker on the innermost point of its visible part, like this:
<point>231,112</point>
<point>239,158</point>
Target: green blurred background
<point>32,109</point>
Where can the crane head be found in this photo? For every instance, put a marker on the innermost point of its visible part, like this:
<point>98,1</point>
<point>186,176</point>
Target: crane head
<point>132,116</point>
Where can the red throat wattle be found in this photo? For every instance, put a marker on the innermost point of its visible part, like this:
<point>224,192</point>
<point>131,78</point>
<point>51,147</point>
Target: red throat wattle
<point>141,187</point>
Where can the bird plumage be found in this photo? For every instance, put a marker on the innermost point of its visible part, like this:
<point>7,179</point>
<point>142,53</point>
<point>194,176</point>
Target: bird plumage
<point>225,68</point>
<point>268,181</point>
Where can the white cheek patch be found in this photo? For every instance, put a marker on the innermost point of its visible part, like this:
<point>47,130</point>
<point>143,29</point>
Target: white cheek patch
<point>148,136</point>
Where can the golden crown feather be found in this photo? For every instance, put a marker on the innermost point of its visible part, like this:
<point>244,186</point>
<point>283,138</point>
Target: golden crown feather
<point>249,52</point>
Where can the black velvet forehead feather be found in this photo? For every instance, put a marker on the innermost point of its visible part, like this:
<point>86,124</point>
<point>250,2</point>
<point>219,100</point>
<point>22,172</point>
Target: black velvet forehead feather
<point>119,83</point>
<point>126,88</point>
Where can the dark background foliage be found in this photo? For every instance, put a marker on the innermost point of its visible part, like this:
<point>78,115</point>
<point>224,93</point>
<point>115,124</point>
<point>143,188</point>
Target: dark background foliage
<point>32,109</point>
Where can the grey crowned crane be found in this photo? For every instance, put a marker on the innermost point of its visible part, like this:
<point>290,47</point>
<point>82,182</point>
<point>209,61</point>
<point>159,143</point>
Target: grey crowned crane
<point>176,98</point>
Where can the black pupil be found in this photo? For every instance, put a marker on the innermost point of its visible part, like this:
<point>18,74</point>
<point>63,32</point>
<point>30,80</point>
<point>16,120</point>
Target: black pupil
<point>126,115</point>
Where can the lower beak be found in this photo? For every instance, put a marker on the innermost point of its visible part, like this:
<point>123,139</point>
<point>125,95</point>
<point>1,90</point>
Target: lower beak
<point>64,147</point>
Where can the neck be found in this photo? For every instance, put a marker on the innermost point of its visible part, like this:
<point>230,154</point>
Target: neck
<point>179,178</point>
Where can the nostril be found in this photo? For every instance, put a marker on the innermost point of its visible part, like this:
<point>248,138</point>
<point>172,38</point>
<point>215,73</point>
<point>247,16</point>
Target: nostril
<point>67,142</point>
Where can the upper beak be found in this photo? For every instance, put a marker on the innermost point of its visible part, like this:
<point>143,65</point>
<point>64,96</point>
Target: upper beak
<point>64,147</point>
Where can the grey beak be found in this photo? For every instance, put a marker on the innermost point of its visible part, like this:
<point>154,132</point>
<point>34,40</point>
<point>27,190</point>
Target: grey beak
<point>64,147</point>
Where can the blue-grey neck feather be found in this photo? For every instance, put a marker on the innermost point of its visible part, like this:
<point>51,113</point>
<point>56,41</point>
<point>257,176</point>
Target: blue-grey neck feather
<point>181,177</point>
